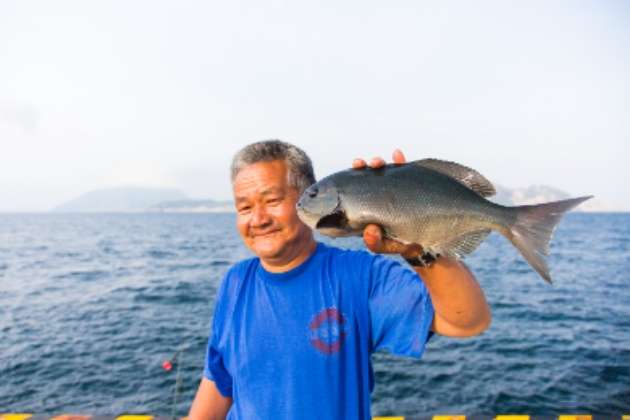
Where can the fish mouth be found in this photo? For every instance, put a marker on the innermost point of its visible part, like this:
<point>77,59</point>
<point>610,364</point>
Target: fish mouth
<point>307,218</point>
<point>336,219</point>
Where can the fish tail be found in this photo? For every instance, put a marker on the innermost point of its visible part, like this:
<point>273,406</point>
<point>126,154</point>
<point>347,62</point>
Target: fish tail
<point>534,226</point>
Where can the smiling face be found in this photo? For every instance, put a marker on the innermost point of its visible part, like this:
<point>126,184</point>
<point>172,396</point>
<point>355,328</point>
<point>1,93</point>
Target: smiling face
<point>266,216</point>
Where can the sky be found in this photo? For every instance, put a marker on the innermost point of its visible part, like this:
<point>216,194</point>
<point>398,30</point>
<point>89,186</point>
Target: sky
<point>154,93</point>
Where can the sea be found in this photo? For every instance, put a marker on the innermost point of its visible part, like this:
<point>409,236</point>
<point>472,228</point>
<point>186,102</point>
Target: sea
<point>92,305</point>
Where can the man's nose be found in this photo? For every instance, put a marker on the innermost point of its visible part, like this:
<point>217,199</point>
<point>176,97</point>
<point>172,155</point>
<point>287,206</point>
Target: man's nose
<point>260,217</point>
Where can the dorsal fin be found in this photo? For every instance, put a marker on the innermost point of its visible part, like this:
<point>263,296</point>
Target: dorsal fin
<point>465,175</point>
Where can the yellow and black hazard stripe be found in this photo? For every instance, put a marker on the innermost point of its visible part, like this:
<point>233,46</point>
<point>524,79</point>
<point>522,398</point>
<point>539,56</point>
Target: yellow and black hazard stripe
<point>30,416</point>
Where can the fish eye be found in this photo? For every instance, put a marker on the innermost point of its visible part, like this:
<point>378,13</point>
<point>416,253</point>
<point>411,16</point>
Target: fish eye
<point>312,192</point>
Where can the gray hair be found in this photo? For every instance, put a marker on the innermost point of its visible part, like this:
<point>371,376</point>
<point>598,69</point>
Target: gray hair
<point>299,166</point>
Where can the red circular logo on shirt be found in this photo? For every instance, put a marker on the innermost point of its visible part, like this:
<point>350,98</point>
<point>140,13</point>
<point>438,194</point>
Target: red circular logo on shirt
<point>327,330</point>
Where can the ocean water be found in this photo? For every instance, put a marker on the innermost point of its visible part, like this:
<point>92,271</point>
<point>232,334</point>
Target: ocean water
<point>91,305</point>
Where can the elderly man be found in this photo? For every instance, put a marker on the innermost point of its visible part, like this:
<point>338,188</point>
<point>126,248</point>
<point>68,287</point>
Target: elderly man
<point>294,327</point>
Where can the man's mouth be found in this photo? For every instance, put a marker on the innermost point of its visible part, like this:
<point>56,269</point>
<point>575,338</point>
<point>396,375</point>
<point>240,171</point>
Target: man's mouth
<point>267,233</point>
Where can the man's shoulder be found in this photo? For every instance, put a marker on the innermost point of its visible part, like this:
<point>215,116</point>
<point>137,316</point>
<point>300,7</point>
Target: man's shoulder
<point>242,268</point>
<point>353,255</point>
<point>348,252</point>
<point>348,261</point>
<point>353,261</point>
<point>236,274</point>
<point>244,265</point>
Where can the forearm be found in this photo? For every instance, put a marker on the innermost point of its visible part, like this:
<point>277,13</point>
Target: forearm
<point>460,306</point>
<point>209,404</point>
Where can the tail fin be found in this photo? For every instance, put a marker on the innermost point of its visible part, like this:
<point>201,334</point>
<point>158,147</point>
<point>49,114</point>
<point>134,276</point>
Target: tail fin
<point>533,228</point>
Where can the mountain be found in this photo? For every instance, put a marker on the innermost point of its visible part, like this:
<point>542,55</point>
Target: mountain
<point>193,206</point>
<point>530,195</point>
<point>125,199</point>
<point>540,194</point>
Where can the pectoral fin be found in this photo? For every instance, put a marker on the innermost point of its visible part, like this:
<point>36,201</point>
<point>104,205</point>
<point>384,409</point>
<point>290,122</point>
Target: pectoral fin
<point>461,246</point>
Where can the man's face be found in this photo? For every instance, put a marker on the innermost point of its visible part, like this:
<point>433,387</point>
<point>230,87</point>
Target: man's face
<point>266,216</point>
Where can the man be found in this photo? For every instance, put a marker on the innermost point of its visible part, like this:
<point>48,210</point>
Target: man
<point>294,328</point>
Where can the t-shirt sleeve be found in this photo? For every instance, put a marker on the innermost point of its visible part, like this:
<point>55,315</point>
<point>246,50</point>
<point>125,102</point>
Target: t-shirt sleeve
<point>400,307</point>
<point>215,370</point>
<point>214,367</point>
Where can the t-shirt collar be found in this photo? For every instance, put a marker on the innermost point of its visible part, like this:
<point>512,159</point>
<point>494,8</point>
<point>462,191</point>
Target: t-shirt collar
<point>294,272</point>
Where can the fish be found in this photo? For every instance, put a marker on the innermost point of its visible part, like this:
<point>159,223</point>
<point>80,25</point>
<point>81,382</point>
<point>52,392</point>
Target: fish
<point>440,205</point>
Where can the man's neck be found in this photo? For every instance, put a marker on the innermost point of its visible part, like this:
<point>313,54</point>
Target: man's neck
<point>280,266</point>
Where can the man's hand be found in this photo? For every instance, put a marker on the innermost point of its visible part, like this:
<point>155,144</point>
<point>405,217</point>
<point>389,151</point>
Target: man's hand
<point>373,234</point>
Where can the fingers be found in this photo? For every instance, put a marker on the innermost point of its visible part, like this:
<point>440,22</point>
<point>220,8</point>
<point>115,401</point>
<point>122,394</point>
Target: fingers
<point>372,236</point>
<point>398,157</point>
<point>412,251</point>
<point>378,162</point>
<point>374,240</point>
<point>358,164</point>
<point>390,246</point>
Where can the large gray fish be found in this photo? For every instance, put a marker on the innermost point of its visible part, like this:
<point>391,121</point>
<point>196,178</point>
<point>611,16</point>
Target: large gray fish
<point>437,204</point>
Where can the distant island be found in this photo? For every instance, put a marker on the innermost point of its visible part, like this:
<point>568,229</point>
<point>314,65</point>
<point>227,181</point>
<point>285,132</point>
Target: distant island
<point>122,199</point>
<point>170,200</point>
<point>141,200</point>
<point>193,206</point>
<point>542,193</point>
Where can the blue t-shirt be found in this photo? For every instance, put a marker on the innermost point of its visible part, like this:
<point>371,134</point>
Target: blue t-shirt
<point>297,345</point>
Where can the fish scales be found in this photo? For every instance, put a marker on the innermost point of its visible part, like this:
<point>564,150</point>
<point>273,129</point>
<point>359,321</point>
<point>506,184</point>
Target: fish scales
<point>444,209</point>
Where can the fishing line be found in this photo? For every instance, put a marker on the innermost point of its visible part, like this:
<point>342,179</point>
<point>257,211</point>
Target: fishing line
<point>167,365</point>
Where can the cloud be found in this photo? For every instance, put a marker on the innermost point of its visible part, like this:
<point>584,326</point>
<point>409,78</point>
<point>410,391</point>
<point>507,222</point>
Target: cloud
<point>21,115</point>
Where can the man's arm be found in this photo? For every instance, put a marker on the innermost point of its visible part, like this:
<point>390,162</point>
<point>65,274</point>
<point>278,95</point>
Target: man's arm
<point>209,404</point>
<point>460,306</point>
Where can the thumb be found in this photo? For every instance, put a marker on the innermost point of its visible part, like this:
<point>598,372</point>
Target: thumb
<point>373,236</point>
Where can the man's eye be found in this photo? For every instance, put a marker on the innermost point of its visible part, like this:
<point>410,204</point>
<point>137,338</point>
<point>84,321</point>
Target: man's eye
<point>274,201</point>
<point>244,209</point>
